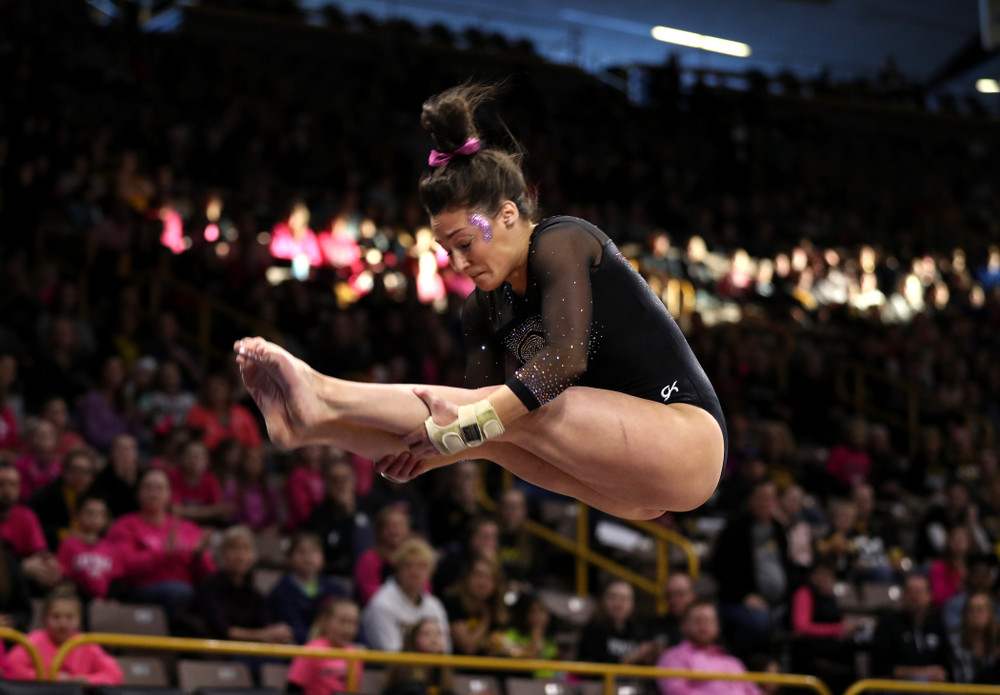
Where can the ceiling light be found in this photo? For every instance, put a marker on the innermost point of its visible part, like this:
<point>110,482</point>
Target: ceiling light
<point>707,43</point>
<point>987,86</point>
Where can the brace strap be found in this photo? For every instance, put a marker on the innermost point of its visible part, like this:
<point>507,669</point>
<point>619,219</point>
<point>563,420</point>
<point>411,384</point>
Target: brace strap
<point>475,424</point>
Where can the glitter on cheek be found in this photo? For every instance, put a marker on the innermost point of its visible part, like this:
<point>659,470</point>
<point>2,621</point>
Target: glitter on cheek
<point>484,226</point>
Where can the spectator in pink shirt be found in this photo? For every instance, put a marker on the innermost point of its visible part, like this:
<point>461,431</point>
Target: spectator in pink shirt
<point>849,463</point>
<point>392,527</point>
<point>947,573</point>
<point>163,555</point>
<point>22,532</point>
<point>218,418</point>
<point>88,664</point>
<point>85,557</point>
<point>700,651</point>
<point>336,626</point>
<point>293,238</point>
<point>39,465</point>
<point>9,427</point>
<point>304,487</point>
<point>823,641</point>
<point>195,491</point>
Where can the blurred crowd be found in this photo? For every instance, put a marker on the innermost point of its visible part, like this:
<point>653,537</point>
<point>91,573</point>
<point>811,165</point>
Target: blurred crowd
<point>792,240</point>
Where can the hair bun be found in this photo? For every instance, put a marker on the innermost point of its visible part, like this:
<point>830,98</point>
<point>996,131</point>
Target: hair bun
<point>449,117</point>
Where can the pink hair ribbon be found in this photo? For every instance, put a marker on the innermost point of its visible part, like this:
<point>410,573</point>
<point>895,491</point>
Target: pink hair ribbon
<point>439,159</point>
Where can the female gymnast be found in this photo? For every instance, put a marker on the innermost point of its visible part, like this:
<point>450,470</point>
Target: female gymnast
<point>578,378</point>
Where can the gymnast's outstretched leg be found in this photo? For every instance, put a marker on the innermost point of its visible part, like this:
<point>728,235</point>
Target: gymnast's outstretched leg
<point>637,456</point>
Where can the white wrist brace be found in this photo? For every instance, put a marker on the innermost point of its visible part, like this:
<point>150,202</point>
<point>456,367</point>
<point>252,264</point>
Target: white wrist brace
<point>475,424</point>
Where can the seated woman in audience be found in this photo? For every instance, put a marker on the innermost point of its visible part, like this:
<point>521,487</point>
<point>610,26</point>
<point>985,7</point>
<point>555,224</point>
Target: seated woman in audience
<point>336,627</point>
<point>425,637</point>
<point>528,636</point>
<point>837,546</point>
<point>973,646</point>
<point>250,495</point>
<point>404,600</point>
<point>196,493</point>
<point>480,538</point>
<point>476,608</point>
<point>823,636</point>
<point>106,411</point>
<point>392,527</point>
<point>296,599</point>
<point>229,603</point>
<point>947,573</point>
<point>118,482</point>
<point>86,558</point>
<point>56,503</point>
<point>87,663</point>
<point>164,555</point>
<point>615,636</point>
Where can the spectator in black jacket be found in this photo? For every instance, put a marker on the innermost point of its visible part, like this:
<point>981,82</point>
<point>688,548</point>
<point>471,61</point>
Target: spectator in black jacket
<point>911,643</point>
<point>228,601</point>
<point>752,566</point>
<point>55,504</point>
<point>345,529</point>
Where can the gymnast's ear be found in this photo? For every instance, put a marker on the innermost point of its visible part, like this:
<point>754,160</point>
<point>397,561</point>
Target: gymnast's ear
<point>509,213</point>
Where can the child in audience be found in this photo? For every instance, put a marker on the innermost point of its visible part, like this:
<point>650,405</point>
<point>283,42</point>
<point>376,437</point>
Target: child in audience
<point>88,663</point>
<point>297,597</point>
<point>425,637</point>
<point>335,627</point>
<point>86,559</point>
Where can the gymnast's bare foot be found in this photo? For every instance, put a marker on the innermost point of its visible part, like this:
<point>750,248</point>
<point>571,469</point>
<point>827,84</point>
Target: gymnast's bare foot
<point>282,386</point>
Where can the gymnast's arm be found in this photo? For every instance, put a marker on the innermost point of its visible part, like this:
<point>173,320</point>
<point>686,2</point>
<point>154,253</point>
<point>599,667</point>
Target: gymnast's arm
<point>561,260</point>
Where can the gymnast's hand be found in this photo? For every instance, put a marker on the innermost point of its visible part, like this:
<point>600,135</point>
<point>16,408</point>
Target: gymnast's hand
<point>442,413</point>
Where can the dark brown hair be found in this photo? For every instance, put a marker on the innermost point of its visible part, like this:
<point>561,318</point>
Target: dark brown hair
<point>481,180</point>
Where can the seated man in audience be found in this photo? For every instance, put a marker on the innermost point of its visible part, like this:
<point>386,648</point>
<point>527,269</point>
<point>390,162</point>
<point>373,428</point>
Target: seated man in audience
<point>680,595</point>
<point>229,603</point>
<point>753,569</point>
<point>403,600</point>
<point>346,530</point>
<point>615,635</point>
<point>22,532</point>
<point>700,651</point>
<point>911,643</point>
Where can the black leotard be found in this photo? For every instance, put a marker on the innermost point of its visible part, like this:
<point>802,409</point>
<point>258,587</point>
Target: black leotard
<point>587,318</point>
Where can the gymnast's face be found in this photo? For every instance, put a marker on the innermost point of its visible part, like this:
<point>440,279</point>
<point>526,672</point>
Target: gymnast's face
<point>486,248</point>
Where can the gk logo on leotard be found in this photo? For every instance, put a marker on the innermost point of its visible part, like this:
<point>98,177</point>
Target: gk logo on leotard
<point>668,391</point>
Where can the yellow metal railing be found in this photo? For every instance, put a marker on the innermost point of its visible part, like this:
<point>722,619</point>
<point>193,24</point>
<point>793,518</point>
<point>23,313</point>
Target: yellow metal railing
<point>608,672</point>
<point>585,556</point>
<point>853,387</point>
<point>920,687</point>
<point>10,635</point>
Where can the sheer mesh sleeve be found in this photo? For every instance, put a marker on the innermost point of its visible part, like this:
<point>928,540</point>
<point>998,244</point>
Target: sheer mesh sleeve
<point>484,362</point>
<point>561,259</point>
